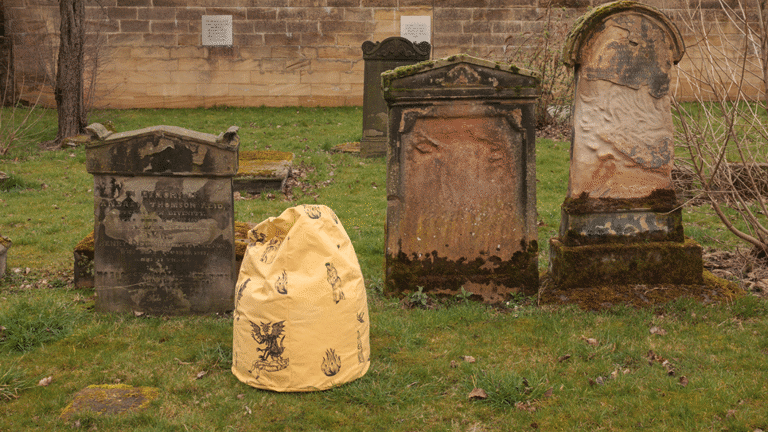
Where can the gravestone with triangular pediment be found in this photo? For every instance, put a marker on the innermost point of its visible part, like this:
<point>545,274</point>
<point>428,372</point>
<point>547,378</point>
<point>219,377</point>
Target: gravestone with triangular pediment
<point>461,182</point>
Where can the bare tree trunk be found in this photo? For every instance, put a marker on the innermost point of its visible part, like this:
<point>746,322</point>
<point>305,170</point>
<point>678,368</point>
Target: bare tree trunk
<point>69,71</point>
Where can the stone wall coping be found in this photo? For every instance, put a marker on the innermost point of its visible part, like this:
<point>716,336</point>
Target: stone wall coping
<point>584,27</point>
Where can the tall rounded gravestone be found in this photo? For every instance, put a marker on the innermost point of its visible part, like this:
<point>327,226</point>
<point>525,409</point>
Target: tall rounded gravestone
<point>621,221</point>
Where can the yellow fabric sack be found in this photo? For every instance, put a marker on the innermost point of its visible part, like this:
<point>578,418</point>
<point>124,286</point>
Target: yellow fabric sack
<point>301,312</point>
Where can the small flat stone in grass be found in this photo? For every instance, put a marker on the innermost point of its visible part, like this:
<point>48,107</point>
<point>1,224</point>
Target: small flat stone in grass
<point>110,399</point>
<point>347,147</point>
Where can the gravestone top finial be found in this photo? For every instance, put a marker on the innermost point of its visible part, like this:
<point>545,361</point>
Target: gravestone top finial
<point>396,48</point>
<point>589,23</point>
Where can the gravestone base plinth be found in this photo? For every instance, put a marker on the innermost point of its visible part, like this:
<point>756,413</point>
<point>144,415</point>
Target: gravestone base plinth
<point>601,297</point>
<point>490,280</point>
<point>625,263</point>
<point>621,226</point>
<point>4,246</point>
<point>373,146</point>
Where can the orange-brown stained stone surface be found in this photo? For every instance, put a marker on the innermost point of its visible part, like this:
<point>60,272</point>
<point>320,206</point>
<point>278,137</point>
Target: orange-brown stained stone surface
<point>622,143</point>
<point>461,171</point>
<point>459,188</point>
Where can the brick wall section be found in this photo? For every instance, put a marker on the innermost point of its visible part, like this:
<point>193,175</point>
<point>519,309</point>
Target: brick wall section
<point>284,53</point>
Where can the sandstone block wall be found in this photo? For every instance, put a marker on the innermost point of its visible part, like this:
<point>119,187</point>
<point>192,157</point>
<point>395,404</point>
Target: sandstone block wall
<point>149,53</point>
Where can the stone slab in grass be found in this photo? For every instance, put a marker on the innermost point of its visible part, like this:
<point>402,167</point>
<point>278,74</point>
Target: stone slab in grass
<point>262,170</point>
<point>347,147</point>
<point>110,399</point>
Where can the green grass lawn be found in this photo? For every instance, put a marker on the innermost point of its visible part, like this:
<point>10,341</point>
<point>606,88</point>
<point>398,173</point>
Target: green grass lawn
<point>543,368</point>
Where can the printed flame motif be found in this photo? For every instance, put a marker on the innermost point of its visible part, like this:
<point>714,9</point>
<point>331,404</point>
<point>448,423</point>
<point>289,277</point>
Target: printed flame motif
<point>331,363</point>
<point>240,291</point>
<point>313,211</point>
<point>282,283</point>
<point>271,251</point>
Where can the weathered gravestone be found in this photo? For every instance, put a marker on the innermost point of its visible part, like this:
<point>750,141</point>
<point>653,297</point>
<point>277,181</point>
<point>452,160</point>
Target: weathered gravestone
<point>380,57</point>
<point>164,220</point>
<point>5,244</point>
<point>621,220</point>
<point>461,182</point>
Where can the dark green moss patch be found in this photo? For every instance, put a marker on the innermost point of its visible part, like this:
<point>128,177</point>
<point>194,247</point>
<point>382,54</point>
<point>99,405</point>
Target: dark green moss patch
<point>711,290</point>
<point>492,279</point>
<point>660,200</point>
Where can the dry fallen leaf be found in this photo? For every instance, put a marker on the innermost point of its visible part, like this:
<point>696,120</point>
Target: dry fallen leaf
<point>469,359</point>
<point>200,374</point>
<point>240,396</point>
<point>548,393</point>
<point>590,341</point>
<point>137,313</point>
<point>683,381</point>
<point>45,381</point>
<point>525,406</point>
<point>658,331</point>
<point>477,393</point>
<point>563,358</point>
<point>454,364</point>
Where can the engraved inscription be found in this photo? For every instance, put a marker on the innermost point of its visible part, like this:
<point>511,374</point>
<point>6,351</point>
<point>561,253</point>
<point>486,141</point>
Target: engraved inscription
<point>217,30</point>
<point>164,241</point>
<point>416,28</point>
